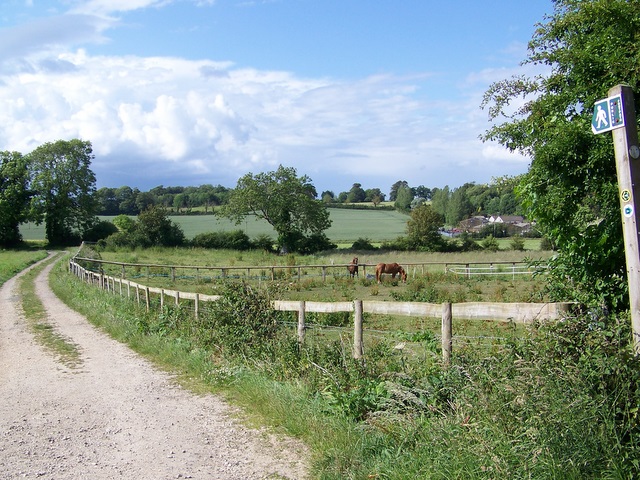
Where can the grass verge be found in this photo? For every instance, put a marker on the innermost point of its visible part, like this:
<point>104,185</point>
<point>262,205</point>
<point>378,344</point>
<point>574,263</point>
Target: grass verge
<point>35,314</point>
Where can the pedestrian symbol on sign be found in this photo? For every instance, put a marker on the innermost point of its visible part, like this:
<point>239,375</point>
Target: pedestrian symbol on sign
<point>607,114</point>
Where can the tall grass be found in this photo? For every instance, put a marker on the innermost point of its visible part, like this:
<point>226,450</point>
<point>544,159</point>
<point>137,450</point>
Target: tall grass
<point>562,402</point>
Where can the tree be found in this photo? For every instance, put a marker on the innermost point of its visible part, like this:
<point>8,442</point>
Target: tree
<point>404,197</point>
<point>356,194</point>
<point>393,194</point>
<point>14,197</point>
<point>374,195</point>
<point>64,189</point>
<point>459,207</point>
<point>440,199</point>
<point>126,198</point>
<point>588,46</point>
<point>107,201</point>
<point>423,228</point>
<point>287,202</point>
<point>154,228</point>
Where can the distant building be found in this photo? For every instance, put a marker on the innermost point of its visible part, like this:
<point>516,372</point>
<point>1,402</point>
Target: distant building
<point>473,224</point>
<point>512,219</point>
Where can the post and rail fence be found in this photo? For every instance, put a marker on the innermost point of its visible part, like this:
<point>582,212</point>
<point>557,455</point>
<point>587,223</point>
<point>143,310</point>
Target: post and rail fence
<point>525,313</point>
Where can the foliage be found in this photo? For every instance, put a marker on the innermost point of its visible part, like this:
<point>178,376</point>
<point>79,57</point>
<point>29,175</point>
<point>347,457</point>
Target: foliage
<point>235,240</point>
<point>242,322</point>
<point>363,244</point>
<point>404,197</point>
<point>124,223</point>
<point>99,231</point>
<point>287,202</point>
<point>14,197</point>
<point>491,244</point>
<point>587,47</point>
<point>423,229</point>
<point>154,228</point>
<point>63,189</point>
<point>517,243</point>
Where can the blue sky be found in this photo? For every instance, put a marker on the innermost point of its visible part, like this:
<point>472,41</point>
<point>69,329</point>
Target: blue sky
<point>188,92</point>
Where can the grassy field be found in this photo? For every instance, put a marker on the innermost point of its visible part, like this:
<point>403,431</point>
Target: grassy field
<point>13,261</point>
<point>347,227</point>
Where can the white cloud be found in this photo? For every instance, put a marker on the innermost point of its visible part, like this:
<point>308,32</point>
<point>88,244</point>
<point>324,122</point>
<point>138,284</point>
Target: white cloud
<point>166,120</point>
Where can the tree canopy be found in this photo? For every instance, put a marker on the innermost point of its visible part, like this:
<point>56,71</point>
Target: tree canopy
<point>287,202</point>
<point>14,197</point>
<point>583,49</point>
<point>63,189</point>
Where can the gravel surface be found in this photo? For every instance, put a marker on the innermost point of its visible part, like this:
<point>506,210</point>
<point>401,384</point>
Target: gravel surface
<point>115,415</point>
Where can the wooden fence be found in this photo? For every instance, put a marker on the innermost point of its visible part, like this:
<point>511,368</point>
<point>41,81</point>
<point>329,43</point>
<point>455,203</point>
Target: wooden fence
<point>515,312</point>
<point>272,272</point>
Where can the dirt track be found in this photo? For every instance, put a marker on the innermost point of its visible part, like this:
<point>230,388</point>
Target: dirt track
<point>115,415</point>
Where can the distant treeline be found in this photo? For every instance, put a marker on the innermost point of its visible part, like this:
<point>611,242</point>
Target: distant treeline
<point>454,205</point>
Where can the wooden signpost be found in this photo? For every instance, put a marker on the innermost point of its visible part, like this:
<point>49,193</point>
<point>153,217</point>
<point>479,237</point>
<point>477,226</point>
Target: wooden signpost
<point>617,114</point>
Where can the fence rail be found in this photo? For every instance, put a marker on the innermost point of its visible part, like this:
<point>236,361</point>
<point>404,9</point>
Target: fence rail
<point>272,271</point>
<point>516,312</point>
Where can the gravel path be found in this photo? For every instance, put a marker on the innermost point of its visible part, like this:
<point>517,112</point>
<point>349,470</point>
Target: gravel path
<point>115,415</point>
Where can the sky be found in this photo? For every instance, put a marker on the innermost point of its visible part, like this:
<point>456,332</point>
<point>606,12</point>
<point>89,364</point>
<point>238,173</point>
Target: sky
<point>193,92</point>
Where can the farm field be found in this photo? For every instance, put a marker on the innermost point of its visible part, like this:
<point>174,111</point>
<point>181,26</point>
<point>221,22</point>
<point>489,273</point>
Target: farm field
<point>347,226</point>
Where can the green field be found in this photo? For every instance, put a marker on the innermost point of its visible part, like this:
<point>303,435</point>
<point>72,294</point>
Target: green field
<point>347,226</point>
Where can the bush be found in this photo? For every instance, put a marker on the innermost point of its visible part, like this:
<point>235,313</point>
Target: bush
<point>234,240</point>
<point>241,322</point>
<point>264,242</point>
<point>99,231</point>
<point>491,244</point>
<point>517,243</point>
<point>363,244</point>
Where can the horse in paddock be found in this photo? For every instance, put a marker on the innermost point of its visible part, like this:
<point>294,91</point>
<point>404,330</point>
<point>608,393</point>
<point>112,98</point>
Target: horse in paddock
<point>392,268</point>
<point>353,267</point>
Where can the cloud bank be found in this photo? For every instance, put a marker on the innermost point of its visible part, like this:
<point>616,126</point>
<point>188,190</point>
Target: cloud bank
<point>175,121</point>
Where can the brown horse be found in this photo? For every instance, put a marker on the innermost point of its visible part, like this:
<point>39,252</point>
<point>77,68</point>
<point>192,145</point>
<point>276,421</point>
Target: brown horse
<point>392,268</point>
<point>353,267</point>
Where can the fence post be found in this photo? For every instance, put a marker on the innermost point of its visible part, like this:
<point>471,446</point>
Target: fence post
<point>301,324</point>
<point>357,330</point>
<point>147,299</point>
<point>161,298</point>
<point>173,274</point>
<point>197,306</point>
<point>446,332</point>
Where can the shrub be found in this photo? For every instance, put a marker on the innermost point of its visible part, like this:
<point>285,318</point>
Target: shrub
<point>99,231</point>
<point>363,244</point>
<point>491,244</point>
<point>233,240</point>
<point>517,243</point>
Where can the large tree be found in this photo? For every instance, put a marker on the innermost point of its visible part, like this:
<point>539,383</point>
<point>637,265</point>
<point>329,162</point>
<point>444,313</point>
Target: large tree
<point>584,48</point>
<point>14,197</point>
<point>423,229</point>
<point>64,189</point>
<point>287,202</point>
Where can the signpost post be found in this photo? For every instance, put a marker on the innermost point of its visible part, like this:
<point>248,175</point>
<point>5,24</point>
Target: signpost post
<point>617,113</point>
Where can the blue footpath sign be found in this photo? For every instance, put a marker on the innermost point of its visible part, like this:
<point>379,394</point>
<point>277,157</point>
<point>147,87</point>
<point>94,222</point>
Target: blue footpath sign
<point>607,114</point>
